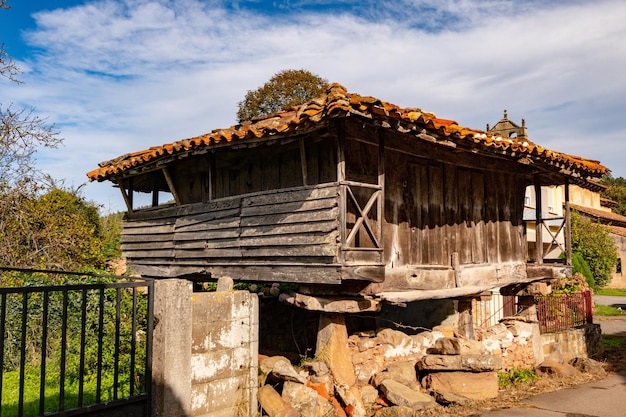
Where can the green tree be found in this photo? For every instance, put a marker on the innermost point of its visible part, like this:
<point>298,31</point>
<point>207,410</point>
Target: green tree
<point>55,230</point>
<point>594,244</point>
<point>285,89</point>
<point>616,191</point>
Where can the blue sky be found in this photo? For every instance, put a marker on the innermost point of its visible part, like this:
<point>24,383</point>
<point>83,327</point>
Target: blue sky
<point>117,76</point>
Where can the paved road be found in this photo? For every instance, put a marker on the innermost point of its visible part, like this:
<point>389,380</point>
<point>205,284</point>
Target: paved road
<point>610,300</point>
<point>605,398</point>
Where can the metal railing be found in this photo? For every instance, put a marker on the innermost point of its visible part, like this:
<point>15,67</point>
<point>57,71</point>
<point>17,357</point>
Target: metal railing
<point>67,348</point>
<point>562,312</point>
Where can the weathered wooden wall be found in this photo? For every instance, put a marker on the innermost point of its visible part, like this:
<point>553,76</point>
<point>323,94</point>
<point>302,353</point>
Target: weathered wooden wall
<point>263,236</point>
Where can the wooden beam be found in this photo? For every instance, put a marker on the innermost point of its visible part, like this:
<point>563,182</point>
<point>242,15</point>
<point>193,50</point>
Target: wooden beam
<point>331,304</point>
<point>303,163</point>
<point>128,197</point>
<point>568,226</point>
<point>538,223</point>
<point>381,184</point>
<point>172,187</point>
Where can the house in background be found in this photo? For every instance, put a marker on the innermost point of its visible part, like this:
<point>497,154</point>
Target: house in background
<point>582,196</point>
<point>355,199</point>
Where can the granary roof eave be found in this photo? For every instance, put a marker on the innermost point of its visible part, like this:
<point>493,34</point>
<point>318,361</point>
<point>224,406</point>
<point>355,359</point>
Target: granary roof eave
<point>338,103</point>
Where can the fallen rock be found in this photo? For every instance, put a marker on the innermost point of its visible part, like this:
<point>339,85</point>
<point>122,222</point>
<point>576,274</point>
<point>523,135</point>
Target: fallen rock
<point>273,404</point>
<point>470,363</point>
<point>475,386</point>
<point>400,394</point>
<point>457,346</point>
<point>351,397</point>
<point>402,372</point>
<point>369,395</point>
<point>284,371</point>
<point>448,398</point>
<point>588,366</point>
<point>551,367</point>
<point>300,397</point>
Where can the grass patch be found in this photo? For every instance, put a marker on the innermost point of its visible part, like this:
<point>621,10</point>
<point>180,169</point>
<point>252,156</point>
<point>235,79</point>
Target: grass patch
<point>611,342</point>
<point>11,384</point>
<point>610,291</point>
<point>601,310</point>
<point>516,376</point>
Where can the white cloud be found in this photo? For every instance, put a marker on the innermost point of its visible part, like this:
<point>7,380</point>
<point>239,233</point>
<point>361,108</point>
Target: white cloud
<point>120,76</point>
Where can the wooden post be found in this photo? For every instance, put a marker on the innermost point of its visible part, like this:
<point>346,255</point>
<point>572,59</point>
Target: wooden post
<point>538,223</point>
<point>170,184</point>
<point>155,191</point>
<point>381,184</point>
<point>568,226</point>
<point>341,177</point>
<point>303,163</point>
<point>128,197</point>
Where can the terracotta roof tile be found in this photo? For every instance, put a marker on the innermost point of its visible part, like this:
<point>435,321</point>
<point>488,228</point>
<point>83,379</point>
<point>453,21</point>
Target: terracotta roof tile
<point>603,216</point>
<point>337,102</point>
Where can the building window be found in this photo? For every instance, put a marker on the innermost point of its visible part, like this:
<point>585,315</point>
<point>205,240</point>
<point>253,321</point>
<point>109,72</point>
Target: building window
<point>618,268</point>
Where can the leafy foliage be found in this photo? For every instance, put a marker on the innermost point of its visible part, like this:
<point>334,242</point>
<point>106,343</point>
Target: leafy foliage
<point>54,230</point>
<point>594,244</point>
<point>516,376</point>
<point>579,265</point>
<point>284,90</point>
<point>91,317</point>
<point>616,191</point>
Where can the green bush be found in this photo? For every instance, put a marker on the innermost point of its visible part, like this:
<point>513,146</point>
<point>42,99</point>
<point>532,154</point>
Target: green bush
<point>594,244</point>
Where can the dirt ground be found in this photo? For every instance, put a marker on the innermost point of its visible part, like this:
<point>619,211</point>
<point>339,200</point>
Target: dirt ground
<point>612,359</point>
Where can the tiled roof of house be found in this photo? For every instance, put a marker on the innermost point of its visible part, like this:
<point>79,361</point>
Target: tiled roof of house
<point>602,216</point>
<point>337,102</point>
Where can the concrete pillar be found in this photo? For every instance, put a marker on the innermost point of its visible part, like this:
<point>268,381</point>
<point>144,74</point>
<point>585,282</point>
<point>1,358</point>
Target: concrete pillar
<point>171,352</point>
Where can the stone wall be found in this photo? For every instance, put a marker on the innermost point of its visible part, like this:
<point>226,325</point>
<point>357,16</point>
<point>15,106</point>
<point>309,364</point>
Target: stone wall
<point>581,342</point>
<point>224,356</point>
<point>204,351</point>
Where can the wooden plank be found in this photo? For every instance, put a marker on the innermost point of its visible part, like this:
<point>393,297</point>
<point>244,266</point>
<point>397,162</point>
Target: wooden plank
<point>451,216</point>
<point>221,224</point>
<point>465,215</point>
<point>207,253</point>
<point>289,240</point>
<point>164,237</point>
<point>436,239</point>
<point>147,245</point>
<point>165,253</point>
<point>477,206</point>
<point>149,230</point>
<point>296,228</point>
<point>207,234</point>
<point>289,196</point>
<point>204,218</point>
<point>208,244</point>
<point>286,218</point>
<point>292,207</point>
<point>491,217</point>
<point>291,251</point>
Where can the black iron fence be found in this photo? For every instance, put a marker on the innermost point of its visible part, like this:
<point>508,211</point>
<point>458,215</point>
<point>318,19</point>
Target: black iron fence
<point>68,349</point>
<point>562,312</point>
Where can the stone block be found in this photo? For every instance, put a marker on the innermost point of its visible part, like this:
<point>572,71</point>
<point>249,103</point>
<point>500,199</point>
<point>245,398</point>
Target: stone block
<point>457,346</point>
<point>402,395</point>
<point>227,392</point>
<point>475,386</point>
<point>300,397</point>
<point>210,366</point>
<point>273,404</point>
<point>396,411</point>
<point>332,348</point>
<point>469,363</point>
<point>402,372</point>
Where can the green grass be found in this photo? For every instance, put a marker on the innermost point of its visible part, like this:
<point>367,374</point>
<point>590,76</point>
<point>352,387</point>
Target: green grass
<point>610,291</point>
<point>601,310</point>
<point>11,384</point>
<point>516,376</point>
<point>611,342</point>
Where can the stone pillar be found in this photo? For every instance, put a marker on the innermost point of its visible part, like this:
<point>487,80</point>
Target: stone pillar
<point>466,323</point>
<point>171,353</point>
